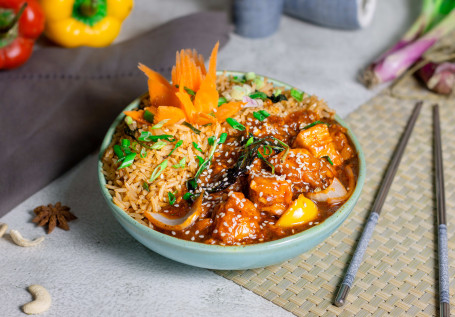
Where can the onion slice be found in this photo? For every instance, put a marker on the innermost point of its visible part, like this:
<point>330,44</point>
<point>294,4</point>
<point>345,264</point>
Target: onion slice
<point>177,224</point>
<point>335,190</point>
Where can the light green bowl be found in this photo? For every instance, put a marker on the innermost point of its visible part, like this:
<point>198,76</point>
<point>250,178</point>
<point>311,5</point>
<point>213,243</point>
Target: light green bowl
<point>231,257</point>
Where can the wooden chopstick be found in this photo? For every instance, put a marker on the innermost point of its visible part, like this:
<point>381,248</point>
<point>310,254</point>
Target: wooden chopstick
<point>444,296</point>
<point>362,245</point>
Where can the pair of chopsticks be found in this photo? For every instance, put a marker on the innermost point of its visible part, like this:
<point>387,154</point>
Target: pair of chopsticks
<point>362,245</point>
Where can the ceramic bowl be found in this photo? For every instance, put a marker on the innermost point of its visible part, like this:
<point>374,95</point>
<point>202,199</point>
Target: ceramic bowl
<point>231,257</point>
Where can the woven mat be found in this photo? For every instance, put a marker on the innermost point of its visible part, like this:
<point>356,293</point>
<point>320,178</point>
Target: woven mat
<point>399,274</point>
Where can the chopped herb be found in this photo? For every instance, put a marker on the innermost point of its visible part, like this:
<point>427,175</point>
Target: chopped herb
<point>211,140</point>
<point>179,143</point>
<point>158,170</point>
<point>328,159</point>
<point>188,196</point>
<point>277,92</point>
<point>221,101</point>
<point>261,115</point>
<point>196,146</point>
<point>258,95</point>
<point>250,76</point>
<point>223,138</point>
<point>267,162</point>
<point>190,91</point>
<point>143,153</point>
<point>297,94</point>
<point>160,124</point>
<point>146,186</point>
<point>200,160</point>
<point>125,143</point>
<point>189,125</point>
<point>278,98</point>
<point>313,124</point>
<point>250,141</point>
<point>267,150</point>
<point>128,120</point>
<point>146,136</point>
<point>286,152</point>
<point>207,124</point>
<point>235,124</point>
<point>181,164</point>
<point>239,79</point>
<point>118,151</point>
<point>158,145</point>
<point>171,197</point>
<point>149,116</point>
<point>128,160</point>
<point>259,82</point>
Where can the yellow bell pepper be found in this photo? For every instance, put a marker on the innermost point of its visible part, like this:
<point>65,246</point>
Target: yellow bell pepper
<point>73,23</point>
<point>300,211</point>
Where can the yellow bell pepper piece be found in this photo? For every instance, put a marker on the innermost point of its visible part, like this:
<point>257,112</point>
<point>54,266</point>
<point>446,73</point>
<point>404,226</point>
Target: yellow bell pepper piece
<point>69,25</point>
<point>300,211</point>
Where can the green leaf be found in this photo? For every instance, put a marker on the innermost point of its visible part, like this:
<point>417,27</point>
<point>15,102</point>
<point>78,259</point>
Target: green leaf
<point>221,101</point>
<point>211,140</point>
<point>160,124</point>
<point>235,124</point>
<point>158,170</point>
<point>196,146</point>
<point>297,94</point>
<point>200,160</point>
<point>149,116</point>
<point>250,141</point>
<point>128,160</point>
<point>146,186</point>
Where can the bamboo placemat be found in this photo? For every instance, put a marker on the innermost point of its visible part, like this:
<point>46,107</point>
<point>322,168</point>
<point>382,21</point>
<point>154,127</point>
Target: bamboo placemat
<point>399,274</point>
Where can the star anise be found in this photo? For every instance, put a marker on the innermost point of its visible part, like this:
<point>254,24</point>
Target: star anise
<point>53,215</point>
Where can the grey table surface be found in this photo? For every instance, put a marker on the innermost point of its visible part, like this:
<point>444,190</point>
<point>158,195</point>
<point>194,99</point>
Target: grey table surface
<point>97,269</point>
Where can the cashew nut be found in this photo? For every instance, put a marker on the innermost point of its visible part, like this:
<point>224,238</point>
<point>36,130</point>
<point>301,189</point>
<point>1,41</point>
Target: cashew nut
<point>3,228</point>
<point>21,241</point>
<point>41,300</point>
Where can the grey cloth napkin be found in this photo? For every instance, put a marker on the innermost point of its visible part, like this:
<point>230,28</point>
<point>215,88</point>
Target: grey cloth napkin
<point>55,109</point>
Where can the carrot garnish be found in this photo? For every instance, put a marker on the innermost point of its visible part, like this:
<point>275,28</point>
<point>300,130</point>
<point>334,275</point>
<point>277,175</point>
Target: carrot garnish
<point>173,114</point>
<point>228,110</point>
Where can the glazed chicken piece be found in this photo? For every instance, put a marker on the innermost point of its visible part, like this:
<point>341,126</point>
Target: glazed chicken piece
<point>236,220</point>
<point>303,170</point>
<point>270,193</point>
<point>318,141</point>
<point>341,142</point>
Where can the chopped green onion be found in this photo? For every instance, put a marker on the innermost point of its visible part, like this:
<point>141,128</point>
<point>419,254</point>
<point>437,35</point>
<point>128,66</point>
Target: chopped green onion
<point>128,160</point>
<point>283,158</point>
<point>189,125</point>
<point>261,115</point>
<point>160,124</point>
<point>190,91</point>
<point>267,162</point>
<point>313,124</point>
<point>181,163</point>
<point>125,143</point>
<point>158,170</point>
<point>196,146</point>
<point>149,116</point>
<point>146,136</point>
<point>171,197</point>
<point>118,151</point>
<point>211,140</point>
<point>259,82</point>
<point>297,94</point>
<point>258,95</point>
<point>239,79</point>
<point>250,141</point>
<point>277,92</point>
<point>143,153</point>
<point>200,160</point>
<point>269,150</point>
<point>146,186</point>
<point>207,124</point>
<point>188,196</point>
<point>179,143</point>
<point>250,76</point>
<point>328,159</point>
<point>235,124</point>
<point>128,120</point>
<point>158,145</point>
<point>223,138</point>
<point>221,101</point>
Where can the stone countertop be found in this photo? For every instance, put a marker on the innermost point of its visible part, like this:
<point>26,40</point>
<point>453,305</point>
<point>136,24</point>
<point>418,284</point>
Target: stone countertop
<point>96,268</point>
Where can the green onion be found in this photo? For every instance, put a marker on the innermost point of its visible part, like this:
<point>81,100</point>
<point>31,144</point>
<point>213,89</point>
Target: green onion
<point>250,76</point>
<point>259,82</point>
<point>158,145</point>
<point>328,159</point>
<point>286,152</point>
<point>179,143</point>
<point>146,186</point>
<point>297,94</point>
<point>146,136</point>
<point>313,124</point>
<point>128,160</point>
<point>143,153</point>
<point>181,163</point>
<point>149,116</point>
<point>158,170</point>
<point>221,101</point>
<point>118,151</point>
<point>211,140</point>
<point>267,162</point>
<point>261,115</point>
<point>239,79</point>
<point>128,120</point>
<point>189,125</point>
<point>196,146</point>
<point>268,148</point>
<point>125,143</point>
<point>160,124</point>
<point>277,92</point>
<point>190,91</point>
<point>235,124</point>
<point>200,160</point>
<point>188,196</point>
<point>171,197</point>
<point>258,95</point>
<point>223,138</point>
<point>207,124</point>
<point>250,141</point>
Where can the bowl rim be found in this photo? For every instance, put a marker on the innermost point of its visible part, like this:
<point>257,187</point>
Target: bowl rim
<point>332,221</point>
